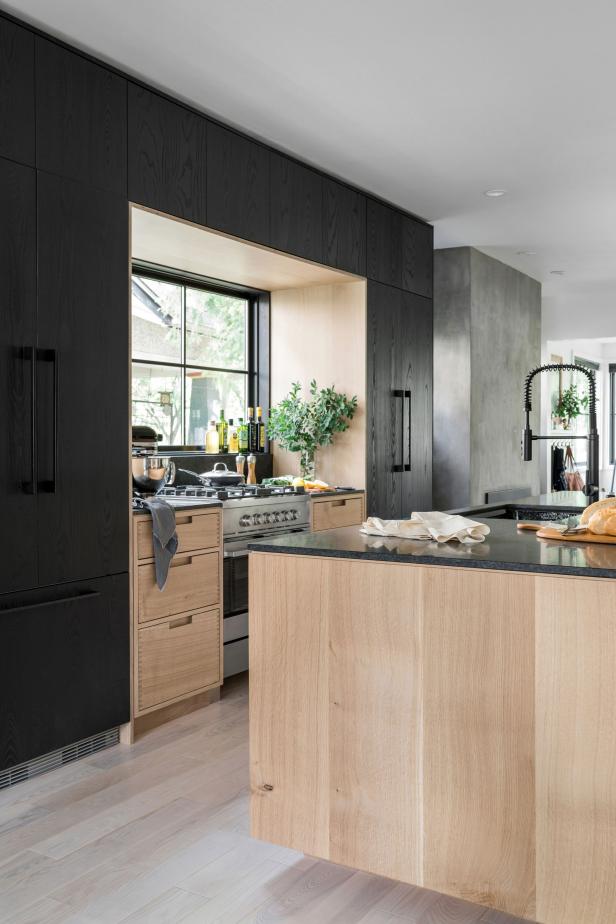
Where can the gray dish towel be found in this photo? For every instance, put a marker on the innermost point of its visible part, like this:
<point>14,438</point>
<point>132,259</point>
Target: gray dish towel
<point>164,536</point>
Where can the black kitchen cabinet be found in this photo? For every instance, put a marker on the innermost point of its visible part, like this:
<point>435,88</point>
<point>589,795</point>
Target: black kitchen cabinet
<point>238,185</point>
<point>400,249</point>
<point>296,208</point>
<point>82,381</point>
<point>344,227</point>
<point>64,666</point>
<point>80,118</point>
<point>417,256</point>
<point>399,402</point>
<point>166,156</point>
<point>17,342</point>
<point>17,131</point>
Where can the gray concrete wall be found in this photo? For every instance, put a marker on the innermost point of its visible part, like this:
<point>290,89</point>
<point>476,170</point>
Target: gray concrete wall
<point>487,336</point>
<point>452,378</point>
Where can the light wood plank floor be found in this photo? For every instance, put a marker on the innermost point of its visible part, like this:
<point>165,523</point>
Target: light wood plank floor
<point>157,833</point>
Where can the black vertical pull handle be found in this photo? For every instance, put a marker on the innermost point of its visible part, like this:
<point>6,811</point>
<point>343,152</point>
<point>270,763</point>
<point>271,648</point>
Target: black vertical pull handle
<point>398,393</point>
<point>51,356</point>
<point>407,396</point>
<point>28,356</point>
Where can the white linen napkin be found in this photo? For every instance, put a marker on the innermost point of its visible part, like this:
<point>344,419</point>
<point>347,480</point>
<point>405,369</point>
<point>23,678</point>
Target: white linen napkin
<point>430,525</point>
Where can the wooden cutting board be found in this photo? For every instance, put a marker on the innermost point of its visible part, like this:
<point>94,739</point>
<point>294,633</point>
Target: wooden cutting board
<point>548,533</point>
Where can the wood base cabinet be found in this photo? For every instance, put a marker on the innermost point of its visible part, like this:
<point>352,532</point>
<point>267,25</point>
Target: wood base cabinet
<point>177,631</point>
<point>450,728</point>
<point>335,512</point>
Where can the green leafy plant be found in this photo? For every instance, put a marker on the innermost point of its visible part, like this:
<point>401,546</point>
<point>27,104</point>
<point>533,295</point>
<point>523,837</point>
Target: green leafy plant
<point>305,425</point>
<point>571,403</point>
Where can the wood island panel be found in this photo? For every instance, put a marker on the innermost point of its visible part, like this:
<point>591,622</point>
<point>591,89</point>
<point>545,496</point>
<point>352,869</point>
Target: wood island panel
<point>576,751</point>
<point>448,727</point>
<point>478,742</point>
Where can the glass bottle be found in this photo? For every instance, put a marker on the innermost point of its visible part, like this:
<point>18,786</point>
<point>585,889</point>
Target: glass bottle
<point>234,444</point>
<point>260,431</point>
<point>242,436</point>
<point>223,439</point>
<point>211,438</point>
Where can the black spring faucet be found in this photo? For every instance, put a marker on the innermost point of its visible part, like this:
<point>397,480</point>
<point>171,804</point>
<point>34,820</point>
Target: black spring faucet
<point>591,488</point>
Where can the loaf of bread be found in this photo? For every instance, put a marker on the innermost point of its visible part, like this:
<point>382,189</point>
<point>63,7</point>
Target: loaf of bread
<point>593,508</point>
<point>603,522</point>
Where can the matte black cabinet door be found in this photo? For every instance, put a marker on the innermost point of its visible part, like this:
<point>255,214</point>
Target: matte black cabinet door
<point>166,156</point>
<point>296,208</point>
<point>80,118</point>
<point>384,234</point>
<point>400,249</point>
<point>384,449</point>
<point>82,378</point>
<point>17,131</point>
<point>17,339</point>
<point>64,666</point>
<point>417,256</point>
<point>415,377</point>
<point>238,188</point>
<point>344,227</point>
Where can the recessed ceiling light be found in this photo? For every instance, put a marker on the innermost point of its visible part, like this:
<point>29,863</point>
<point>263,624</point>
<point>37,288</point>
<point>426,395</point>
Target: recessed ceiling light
<point>526,253</point>
<point>495,193</point>
<point>557,272</point>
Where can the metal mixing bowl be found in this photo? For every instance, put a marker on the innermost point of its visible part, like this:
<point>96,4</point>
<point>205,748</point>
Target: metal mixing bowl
<point>151,473</point>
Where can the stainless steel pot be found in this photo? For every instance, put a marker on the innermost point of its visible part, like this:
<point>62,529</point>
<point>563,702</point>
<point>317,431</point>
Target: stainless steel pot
<point>222,477</point>
<point>151,473</point>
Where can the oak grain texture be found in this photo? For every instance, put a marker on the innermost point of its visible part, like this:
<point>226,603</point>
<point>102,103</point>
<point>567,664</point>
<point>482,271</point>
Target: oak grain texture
<point>478,650</point>
<point>64,666</point>
<point>400,249</point>
<point>415,373</point>
<point>17,106</point>
<point>199,531</point>
<point>296,208</point>
<point>417,257</point>
<point>80,118</point>
<point>576,751</point>
<point>344,227</point>
<point>193,582</point>
<point>178,656</point>
<point>238,185</point>
<point>167,146</point>
<point>290,699</point>
<point>334,512</point>
<point>82,291</point>
<point>18,329</point>
<point>375,708</point>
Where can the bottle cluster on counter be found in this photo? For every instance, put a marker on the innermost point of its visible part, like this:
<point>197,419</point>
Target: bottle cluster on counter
<point>245,436</point>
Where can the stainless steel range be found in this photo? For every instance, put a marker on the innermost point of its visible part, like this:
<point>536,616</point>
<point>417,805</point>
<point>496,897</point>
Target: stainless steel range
<point>249,512</point>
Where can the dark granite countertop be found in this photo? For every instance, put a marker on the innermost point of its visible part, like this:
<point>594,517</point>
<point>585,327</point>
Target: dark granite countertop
<point>338,492</point>
<point>505,549</point>
<point>567,502</point>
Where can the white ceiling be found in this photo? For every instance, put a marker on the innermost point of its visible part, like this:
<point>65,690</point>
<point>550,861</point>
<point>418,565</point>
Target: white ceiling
<point>425,102</point>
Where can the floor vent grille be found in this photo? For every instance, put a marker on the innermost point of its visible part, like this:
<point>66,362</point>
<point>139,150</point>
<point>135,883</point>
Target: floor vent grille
<point>55,759</point>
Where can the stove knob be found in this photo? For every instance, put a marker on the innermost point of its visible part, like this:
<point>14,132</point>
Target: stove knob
<point>257,519</point>
<point>293,514</point>
<point>285,515</point>
<point>276,517</point>
<point>245,520</point>
<point>267,518</point>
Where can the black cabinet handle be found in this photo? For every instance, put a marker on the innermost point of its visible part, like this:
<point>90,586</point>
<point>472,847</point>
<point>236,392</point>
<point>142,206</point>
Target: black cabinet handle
<point>407,396</point>
<point>28,356</point>
<point>51,356</point>
<point>88,594</point>
<point>398,393</point>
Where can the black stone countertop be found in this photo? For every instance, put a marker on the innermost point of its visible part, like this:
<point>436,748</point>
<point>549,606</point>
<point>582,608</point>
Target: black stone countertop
<point>505,549</point>
<point>567,502</point>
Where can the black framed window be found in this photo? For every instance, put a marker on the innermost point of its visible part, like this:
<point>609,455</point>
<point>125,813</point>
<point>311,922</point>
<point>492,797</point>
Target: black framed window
<point>612,371</point>
<point>194,353</point>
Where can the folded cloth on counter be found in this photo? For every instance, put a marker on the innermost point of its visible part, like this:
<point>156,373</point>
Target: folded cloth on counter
<point>430,525</point>
<point>164,536</point>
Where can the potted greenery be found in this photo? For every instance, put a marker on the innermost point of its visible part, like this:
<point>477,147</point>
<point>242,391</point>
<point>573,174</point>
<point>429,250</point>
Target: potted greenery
<point>304,426</point>
<point>570,405</point>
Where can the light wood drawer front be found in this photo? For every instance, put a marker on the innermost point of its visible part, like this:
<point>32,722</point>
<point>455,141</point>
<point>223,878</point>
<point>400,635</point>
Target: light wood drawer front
<point>195,531</point>
<point>193,583</point>
<point>341,511</point>
<point>178,657</point>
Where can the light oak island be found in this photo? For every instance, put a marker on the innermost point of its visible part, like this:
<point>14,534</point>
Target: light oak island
<point>444,716</point>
